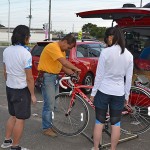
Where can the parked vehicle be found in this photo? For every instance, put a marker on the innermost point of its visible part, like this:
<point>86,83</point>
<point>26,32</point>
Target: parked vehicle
<point>84,55</point>
<point>135,23</point>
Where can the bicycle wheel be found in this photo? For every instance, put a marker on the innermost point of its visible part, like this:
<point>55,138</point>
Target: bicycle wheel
<point>74,122</point>
<point>137,121</point>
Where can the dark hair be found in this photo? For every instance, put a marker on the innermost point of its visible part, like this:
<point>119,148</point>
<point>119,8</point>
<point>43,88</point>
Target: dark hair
<point>118,37</point>
<point>69,38</point>
<point>20,33</point>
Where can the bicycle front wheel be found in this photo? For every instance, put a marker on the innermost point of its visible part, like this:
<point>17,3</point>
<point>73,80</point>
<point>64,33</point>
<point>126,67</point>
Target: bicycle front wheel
<point>74,122</point>
<point>137,120</point>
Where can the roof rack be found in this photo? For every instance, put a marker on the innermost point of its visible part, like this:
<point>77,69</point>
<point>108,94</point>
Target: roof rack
<point>84,40</point>
<point>128,5</point>
<point>147,5</point>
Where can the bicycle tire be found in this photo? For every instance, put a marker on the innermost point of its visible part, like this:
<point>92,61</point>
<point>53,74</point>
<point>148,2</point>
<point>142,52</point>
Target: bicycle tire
<point>73,123</point>
<point>137,121</point>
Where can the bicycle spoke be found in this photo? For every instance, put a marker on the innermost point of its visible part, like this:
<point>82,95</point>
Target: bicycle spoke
<point>137,121</point>
<point>73,122</point>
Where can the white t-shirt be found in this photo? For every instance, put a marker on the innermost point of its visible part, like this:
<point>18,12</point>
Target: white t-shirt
<point>112,68</point>
<point>17,59</point>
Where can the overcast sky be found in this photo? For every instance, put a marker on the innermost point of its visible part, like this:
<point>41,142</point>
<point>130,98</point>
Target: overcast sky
<point>63,12</point>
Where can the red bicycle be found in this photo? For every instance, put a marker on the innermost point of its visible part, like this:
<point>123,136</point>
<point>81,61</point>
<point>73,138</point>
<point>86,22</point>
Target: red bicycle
<point>71,115</point>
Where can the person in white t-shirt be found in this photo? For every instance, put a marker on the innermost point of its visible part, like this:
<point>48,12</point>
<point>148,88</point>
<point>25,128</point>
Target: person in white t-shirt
<point>112,85</point>
<point>17,62</point>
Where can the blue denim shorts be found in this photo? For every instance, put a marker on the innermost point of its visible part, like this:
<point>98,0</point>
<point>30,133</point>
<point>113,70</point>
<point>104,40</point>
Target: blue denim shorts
<point>102,101</point>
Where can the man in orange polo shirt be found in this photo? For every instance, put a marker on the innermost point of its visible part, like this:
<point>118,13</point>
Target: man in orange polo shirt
<point>52,61</point>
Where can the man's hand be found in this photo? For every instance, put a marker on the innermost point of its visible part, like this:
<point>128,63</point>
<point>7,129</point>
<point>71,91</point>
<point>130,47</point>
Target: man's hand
<point>126,103</point>
<point>92,98</point>
<point>78,70</point>
<point>33,98</point>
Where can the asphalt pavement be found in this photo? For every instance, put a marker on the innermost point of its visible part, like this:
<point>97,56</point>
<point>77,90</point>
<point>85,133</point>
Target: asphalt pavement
<point>35,140</point>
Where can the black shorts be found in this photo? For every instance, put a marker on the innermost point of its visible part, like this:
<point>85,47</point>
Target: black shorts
<point>19,102</point>
<point>104,101</point>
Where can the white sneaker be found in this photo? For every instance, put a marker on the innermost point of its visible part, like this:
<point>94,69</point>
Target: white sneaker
<point>19,148</point>
<point>22,148</point>
<point>7,144</point>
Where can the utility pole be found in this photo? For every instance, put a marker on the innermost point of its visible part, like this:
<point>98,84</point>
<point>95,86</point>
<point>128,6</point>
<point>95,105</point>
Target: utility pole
<point>141,4</point>
<point>8,20</point>
<point>73,28</point>
<point>49,28</point>
<point>30,16</point>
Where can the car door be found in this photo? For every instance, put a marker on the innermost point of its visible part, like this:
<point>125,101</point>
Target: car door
<point>133,21</point>
<point>124,17</point>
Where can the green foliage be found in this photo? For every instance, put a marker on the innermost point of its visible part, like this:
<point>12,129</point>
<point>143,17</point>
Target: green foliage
<point>93,30</point>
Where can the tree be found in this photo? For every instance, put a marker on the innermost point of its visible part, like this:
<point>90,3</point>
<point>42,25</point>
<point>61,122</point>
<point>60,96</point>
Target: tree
<point>88,27</point>
<point>93,30</point>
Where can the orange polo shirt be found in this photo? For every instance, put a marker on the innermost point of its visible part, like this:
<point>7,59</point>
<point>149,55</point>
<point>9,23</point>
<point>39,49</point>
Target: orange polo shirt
<point>49,59</point>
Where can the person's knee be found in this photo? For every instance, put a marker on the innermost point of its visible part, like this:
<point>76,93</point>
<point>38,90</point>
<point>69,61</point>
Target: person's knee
<point>98,122</point>
<point>101,115</point>
<point>115,121</point>
<point>115,117</point>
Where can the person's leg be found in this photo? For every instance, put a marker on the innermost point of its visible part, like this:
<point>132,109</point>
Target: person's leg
<point>9,127</point>
<point>48,93</point>
<point>116,107</point>
<point>12,119</point>
<point>115,136</point>
<point>22,107</point>
<point>56,93</point>
<point>8,133</point>
<point>17,131</point>
<point>101,101</point>
<point>97,134</point>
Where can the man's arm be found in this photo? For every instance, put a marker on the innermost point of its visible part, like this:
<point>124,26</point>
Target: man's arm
<point>68,64</point>
<point>5,74</point>
<point>67,71</point>
<point>30,84</point>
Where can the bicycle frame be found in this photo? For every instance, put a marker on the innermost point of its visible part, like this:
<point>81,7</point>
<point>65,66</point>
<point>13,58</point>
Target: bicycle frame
<point>72,113</point>
<point>76,89</point>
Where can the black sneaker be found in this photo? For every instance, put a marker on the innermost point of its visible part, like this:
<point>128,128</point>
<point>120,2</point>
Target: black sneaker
<point>18,148</point>
<point>7,143</point>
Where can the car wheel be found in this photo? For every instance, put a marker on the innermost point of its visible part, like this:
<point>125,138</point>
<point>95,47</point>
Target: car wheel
<point>88,80</point>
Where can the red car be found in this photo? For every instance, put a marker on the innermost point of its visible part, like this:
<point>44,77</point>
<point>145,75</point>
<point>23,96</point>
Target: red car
<point>135,23</point>
<point>84,55</point>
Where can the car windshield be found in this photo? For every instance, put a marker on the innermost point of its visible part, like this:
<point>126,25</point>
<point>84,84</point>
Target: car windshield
<point>89,50</point>
<point>137,44</point>
<point>37,50</point>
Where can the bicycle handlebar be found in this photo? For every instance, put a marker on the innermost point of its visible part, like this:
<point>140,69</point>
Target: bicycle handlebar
<point>66,78</point>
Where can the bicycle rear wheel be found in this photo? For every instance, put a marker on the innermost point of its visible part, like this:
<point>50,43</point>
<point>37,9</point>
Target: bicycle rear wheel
<point>137,121</point>
<point>74,122</point>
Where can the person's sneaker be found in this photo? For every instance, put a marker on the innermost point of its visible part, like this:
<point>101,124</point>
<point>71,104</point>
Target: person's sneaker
<point>7,143</point>
<point>18,148</point>
<point>49,132</point>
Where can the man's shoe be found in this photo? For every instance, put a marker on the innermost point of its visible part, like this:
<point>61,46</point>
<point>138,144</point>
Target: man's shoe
<point>7,143</point>
<point>54,130</point>
<point>18,148</point>
<point>49,132</point>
